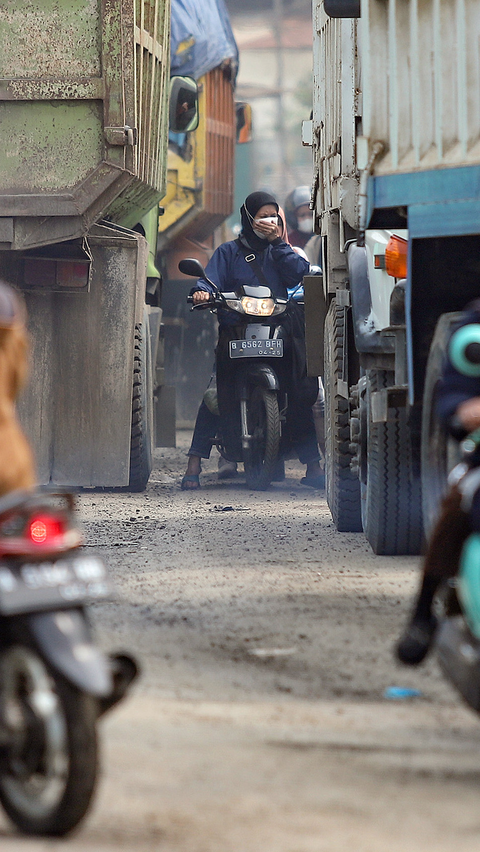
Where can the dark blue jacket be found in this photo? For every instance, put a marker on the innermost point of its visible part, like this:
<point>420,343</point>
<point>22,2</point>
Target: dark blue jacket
<point>227,268</point>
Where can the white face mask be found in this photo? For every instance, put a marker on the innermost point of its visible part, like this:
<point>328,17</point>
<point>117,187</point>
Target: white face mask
<point>258,234</point>
<point>305,226</point>
<point>272,220</point>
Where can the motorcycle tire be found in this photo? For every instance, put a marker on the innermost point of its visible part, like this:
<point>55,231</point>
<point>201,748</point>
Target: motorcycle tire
<point>48,767</point>
<point>440,452</point>
<point>263,420</point>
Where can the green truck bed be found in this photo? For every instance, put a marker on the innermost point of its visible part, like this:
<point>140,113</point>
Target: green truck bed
<point>83,97</point>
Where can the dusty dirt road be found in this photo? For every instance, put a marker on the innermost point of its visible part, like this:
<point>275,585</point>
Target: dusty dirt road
<point>259,723</point>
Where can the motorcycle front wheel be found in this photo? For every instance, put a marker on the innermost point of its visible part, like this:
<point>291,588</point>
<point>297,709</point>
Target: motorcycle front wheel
<point>263,420</point>
<point>48,766</point>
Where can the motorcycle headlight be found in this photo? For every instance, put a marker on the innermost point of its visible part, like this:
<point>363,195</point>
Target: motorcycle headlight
<point>258,307</point>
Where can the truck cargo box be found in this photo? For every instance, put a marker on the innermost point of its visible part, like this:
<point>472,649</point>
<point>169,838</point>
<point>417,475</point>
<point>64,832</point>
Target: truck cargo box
<point>420,82</point>
<point>82,115</point>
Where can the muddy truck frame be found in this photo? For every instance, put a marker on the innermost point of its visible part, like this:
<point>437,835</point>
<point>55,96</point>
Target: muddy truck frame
<point>84,107</point>
<point>395,133</point>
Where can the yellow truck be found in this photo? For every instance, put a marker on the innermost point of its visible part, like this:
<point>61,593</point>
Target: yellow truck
<point>200,187</point>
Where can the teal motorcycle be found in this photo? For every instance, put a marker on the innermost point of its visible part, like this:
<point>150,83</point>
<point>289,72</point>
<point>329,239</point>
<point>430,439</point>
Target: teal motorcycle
<point>457,637</point>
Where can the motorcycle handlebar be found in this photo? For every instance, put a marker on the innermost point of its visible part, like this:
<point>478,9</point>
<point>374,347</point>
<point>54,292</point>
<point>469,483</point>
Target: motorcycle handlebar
<point>204,304</point>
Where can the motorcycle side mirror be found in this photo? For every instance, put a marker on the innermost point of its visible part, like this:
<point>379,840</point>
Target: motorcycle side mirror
<point>191,266</point>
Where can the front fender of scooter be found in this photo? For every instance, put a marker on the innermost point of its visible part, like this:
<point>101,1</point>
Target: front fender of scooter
<point>261,374</point>
<point>64,639</point>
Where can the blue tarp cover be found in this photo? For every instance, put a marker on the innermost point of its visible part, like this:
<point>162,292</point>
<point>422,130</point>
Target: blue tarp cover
<point>202,37</point>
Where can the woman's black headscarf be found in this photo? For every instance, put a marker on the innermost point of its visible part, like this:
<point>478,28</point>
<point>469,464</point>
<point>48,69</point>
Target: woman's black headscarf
<point>248,210</point>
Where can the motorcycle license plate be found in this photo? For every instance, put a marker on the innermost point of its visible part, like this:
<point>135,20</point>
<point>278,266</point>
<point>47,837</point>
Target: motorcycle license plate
<point>36,586</point>
<point>256,348</point>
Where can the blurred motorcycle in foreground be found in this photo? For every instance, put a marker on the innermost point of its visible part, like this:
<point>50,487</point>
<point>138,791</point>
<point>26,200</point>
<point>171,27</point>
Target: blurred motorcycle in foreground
<point>447,611</point>
<point>54,682</point>
<point>457,637</point>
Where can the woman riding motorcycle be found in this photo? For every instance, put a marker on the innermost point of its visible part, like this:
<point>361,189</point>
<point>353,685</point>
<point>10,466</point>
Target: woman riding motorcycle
<point>283,269</point>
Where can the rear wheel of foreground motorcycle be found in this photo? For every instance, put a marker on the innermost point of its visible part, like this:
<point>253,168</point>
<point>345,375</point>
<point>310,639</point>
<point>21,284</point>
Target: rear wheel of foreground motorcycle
<point>142,411</point>
<point>392,508</point>
<point>263,419</point>
<point>48,771</point>
<point>439,452</point>
<point>342,485</point>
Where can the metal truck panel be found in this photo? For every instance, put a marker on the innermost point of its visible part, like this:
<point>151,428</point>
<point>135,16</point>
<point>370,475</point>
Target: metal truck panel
<point>420,73</point>
<point>83,93</point>
<point>152,72</point>
<point>219,144</point>
<point>336,96</point>
<point>77,407</point>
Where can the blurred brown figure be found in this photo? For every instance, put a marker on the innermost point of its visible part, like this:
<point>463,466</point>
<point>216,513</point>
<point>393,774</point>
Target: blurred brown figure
<point>17,469</point>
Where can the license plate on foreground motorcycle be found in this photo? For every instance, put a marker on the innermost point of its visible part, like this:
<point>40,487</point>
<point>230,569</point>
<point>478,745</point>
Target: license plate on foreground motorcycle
<point>35,586</point>
<point>259,348</point>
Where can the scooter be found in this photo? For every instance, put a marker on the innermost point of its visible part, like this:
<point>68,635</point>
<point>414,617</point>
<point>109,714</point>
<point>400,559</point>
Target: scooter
<point>54,682</point>
<point>252,376</point>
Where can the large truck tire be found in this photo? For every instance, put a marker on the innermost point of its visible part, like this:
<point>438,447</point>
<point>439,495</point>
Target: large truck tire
<point>439,452</point>
<point>342,485</point>
<point>391,497</point>
<point>141,446</point>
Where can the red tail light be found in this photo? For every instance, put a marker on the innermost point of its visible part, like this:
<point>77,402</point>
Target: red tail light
<point>45,529</point>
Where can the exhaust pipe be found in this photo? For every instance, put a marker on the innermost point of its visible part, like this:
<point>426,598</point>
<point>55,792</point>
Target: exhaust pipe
<point>124,671</point>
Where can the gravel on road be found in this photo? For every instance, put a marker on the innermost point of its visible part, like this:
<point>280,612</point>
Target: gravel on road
<point>259,723</point>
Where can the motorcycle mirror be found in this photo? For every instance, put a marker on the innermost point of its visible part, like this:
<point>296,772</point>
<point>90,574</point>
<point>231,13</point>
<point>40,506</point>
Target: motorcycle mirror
<point>191,266</point>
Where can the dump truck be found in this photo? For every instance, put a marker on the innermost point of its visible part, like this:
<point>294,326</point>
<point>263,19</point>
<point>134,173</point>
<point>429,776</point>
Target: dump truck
<point>84,106</point>
<point>395,132</point>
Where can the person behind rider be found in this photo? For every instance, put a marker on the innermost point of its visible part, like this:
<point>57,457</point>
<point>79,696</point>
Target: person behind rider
<point>283,268</point>
<point>299,216</point>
